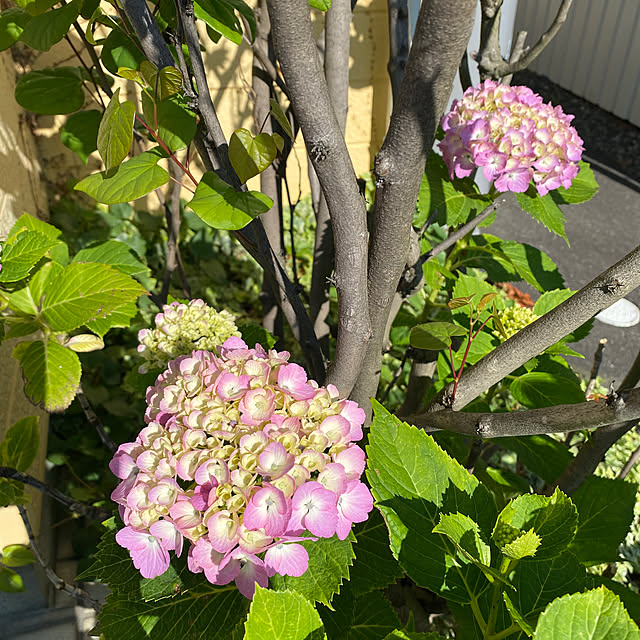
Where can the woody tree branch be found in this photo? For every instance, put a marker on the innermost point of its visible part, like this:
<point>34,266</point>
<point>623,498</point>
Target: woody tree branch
<point>296,51</point>
<point>491,64</point>
<point>336,71</point>
<point>611,285</point>
<point>441,36</point>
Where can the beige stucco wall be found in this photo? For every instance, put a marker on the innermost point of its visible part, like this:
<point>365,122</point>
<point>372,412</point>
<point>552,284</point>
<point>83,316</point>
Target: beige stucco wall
<point>21,191</point>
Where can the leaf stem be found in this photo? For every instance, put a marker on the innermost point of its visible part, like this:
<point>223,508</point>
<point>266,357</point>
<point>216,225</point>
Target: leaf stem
<point>514,628</point>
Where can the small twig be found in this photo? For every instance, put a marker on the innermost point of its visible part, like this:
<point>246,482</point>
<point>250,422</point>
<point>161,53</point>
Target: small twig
<point>396,376</point>
<point>94,420</point>
<point>292,208</point>
<point>77,593</point>
<point>462,231</point>
<point>633,376</point>
<point>97,99</point>
<point>597,361</point>
<point>104,83</point>
<point>635,456</point>
<point>79,508</point>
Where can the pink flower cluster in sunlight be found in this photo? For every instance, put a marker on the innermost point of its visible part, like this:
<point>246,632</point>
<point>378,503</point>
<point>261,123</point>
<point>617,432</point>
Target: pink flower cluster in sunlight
<point>513,136</point>
<point>241,457</point>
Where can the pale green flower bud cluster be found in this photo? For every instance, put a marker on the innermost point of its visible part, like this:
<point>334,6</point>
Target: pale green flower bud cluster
<point>514,319</point>
<point>180,329</point>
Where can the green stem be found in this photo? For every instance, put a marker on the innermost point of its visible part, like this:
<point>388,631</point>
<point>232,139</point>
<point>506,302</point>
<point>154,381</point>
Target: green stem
<point>478,616</point>
<point>498,588</point>
<point>514,628</point>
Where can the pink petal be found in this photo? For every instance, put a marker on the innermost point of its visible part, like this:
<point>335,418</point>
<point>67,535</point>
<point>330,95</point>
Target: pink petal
<point>286,559</point>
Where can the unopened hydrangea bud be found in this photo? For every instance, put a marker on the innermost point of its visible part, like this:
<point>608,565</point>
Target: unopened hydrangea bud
<point>513,136</point>
<point>180,329</point>
<point>241,454</point>
<point>514,319</point>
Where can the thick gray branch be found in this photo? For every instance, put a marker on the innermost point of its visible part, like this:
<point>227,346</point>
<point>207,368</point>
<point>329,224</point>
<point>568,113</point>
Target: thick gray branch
<point>495,66</point>
<point>398,11</point>
<point>296,50</point>
<point>440,38</point>
<point>615,283</point>
<point>558,419</point>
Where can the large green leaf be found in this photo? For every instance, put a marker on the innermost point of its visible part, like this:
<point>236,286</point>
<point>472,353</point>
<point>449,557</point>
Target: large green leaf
<point>164,85</point>
<point>19,257</point>
<point>374,566</point>
<point>275,615</point>
<point>605,509</point>
<point>16,555</point>
<point>80,133</point>
<point>553,518</point>
<point>583,187</point>
<point>359,618</point>
<point>119,317</point>
<point>115,134</point>
<point>543,209</point>
<point>205,613</point>
<point>329,562</point>
<point>51,373</point>
<point>176,124</point>
<point>537,583</point>
<point>84,292</point>
<point>538,389</point>
<point>20,445</point>
<point>594,615</point>
<point>114,253</point>
<point>413,482</point>
<point>31,223</point>
<point>51,91</point>
<point>131,180</point>
<point>43,31</point>
<point>220,16</point>
<point>119,50</point>
<point>456,201</point>
<point>222,207</point>
<point>540,453</point>
<point>251,155</point>
<point>434,335</point>
<point>12,23</point>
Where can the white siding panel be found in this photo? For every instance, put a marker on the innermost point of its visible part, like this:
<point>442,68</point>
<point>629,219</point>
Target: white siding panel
<point>596,54</point>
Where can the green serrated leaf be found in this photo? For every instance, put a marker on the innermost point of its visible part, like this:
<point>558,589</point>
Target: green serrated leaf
<point>10,581</point>
<point>131,180</point>
<point>543,209</point>
<point>222,207</point>
<point>19,258</point>
<point>597,615</point>
<point>414,481</point>
<point>605,513</point>
<point>31,223</point>
<point>541,454</point>
<point>115,134</point>
<point>16,555</point>
<point>52,373</point>
<point>583,187</point>
<point>434,335</point>
<point>114,253</point>
<point>84,292</point>
<point>329,562</point>
<point>40,281</point>
<point>80,133</point>
<point>275,615</point>
<point>51,91</point>
<point>465,534</point>
<point>523,546</point>
<point>119,317</point>
<point>254,334</point>
<point>20,445</point>
<point>281,117</point>
<point>374,566</point>
<point>206,613</point>
<point>553,518</point>
<point>43,31</point>
<point>251,155</point>
<point>538,389</point>
<point>12,24</point>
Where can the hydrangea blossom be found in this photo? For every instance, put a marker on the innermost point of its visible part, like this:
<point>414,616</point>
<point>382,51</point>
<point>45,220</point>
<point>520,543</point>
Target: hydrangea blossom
<point>514,319</point>
<point>513,136</point>
<point>181,328</point>
<point>240,457</point>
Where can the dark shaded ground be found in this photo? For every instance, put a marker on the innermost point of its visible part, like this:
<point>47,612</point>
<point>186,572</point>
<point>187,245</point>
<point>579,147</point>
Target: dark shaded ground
<point>601,231</point>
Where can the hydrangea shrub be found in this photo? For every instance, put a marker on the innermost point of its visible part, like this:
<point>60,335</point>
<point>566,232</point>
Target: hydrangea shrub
<point>514,136</point>
<point>242,457</point>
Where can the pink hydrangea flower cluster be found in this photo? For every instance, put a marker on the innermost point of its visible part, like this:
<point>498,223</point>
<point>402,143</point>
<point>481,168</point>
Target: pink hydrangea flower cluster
<point>240,457</point>
<point>513,136</point>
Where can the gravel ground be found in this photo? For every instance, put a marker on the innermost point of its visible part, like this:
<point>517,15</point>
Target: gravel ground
<point>608,140</point>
